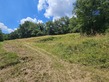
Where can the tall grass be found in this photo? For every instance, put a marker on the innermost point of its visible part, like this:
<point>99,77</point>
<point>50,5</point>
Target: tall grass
<point>88,51</point>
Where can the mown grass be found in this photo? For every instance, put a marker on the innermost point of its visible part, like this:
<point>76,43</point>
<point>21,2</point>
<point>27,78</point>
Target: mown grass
<point>7,58</point>
<point>91,54</point>
<point>88,51</point>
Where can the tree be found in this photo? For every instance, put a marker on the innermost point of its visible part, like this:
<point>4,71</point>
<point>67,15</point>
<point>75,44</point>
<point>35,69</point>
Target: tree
<point>1,35</point>
<point>6,36</point>
<point>41,29</point>
<point>26,30</point>
<point>14,35</point>
<point>73,25</point>
<point>92,15</point>
<point>50,28</point>
<point>64,22</point>
<point>59,26</point>
<point>29,29</point>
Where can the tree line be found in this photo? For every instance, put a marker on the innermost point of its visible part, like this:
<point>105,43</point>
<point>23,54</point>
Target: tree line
<point>91,18</point>
<point>29,29</point>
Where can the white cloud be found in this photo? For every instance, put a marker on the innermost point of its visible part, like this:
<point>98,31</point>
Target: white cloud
<point>42,4</point>
<point>34,20</point>
<point>5,29</point>
<point>56,8</point>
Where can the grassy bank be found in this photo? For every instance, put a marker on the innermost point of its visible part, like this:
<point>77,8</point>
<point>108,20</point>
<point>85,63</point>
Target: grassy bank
<point>88,51</point>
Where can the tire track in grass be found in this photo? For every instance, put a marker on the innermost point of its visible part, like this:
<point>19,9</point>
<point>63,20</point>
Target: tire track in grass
<point>71,71</point>
<point>43,67</point>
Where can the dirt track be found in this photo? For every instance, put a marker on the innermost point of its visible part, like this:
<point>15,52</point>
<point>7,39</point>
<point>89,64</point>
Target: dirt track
<point>37,65</point>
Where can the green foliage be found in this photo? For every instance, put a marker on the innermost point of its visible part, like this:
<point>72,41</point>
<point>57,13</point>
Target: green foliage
<point>49,28</point>
<point>73,25</point>
<point>28,29</point>
<point>6,36</point>
<point>92,15</point>
<point>14,35</point>
<point>40,33</point>
<point>1,35</point>
<point>59,26</point>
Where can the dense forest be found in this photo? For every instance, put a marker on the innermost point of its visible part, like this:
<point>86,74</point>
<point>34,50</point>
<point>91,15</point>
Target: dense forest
<point>91,17</point>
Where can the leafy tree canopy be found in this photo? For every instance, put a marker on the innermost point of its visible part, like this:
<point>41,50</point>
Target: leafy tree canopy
<point>92,15</point>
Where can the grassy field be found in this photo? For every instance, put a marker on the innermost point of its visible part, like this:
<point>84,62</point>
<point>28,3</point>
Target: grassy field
<point>88,51</point>
<point>60,58</point>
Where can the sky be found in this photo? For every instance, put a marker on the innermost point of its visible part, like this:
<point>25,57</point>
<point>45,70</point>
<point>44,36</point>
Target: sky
<point>16,12</point>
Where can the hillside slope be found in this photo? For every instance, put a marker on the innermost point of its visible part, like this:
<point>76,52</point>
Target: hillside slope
<point>62,58</point>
